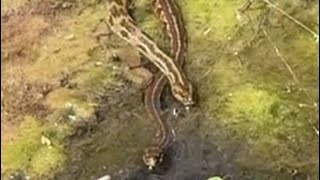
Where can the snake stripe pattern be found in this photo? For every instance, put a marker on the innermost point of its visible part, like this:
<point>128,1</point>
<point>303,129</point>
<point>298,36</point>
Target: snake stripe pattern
<point>170,16</point>
<point>123,25</point>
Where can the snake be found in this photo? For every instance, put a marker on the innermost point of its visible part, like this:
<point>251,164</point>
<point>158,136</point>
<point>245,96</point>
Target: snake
<point>122,24</point>
<point>170,67</point>
<point>169,14</point>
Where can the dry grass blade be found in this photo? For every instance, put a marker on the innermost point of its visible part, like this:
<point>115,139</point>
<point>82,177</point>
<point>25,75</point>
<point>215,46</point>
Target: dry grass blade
<point>315,35</point>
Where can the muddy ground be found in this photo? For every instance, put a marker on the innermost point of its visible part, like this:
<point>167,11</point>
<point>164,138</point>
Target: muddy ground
<point>71,110</point>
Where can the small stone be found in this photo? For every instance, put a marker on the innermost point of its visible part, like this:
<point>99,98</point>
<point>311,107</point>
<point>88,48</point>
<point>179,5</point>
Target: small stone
<point>139,76</point>
<point>106,177</point>
<point>130,56</point>
<point>72,117</point>
<point>68,105</point>
<point>99,63</point>
<point>66,5</point>
<point>207,31</point>
<point>69,37</point>
<point>56,50</point>
<point>215,178</point>
<point>45,141</point>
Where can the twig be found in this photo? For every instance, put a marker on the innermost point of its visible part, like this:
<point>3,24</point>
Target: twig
<point>296,80</point>
<point>315,35</point>
<point>294,76</point>
<point>316,130</point>
<point>283,59</point>
<point>246,6</point>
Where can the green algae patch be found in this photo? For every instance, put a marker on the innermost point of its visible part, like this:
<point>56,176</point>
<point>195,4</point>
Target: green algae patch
<point>66,98</point>
<point>28,152</point>
<point>222,80</point>
<point>227,74</point>
<point>46,159</point>
<point>211,19</point>
<point>16,154</point>
<point>274,130</point>
<point>251,103</point>
<point>93,80</point>
<point>252,100</point>
<point>69,47</point>
<point>304,47</point>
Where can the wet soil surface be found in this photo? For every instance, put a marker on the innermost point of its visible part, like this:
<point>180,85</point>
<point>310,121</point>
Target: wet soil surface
<point>253,121</point>
<point>120,120</point>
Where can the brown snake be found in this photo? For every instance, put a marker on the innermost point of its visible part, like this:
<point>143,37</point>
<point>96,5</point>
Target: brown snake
<point>123,25</point>
<point>170,70</point>
<point>169,14</point>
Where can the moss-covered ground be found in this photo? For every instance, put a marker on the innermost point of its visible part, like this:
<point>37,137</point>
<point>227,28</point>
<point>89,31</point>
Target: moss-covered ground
<point>67,111</point>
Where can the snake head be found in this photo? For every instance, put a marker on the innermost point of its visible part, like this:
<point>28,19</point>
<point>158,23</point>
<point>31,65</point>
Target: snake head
<point>184,94</point>
<point>152,157</point>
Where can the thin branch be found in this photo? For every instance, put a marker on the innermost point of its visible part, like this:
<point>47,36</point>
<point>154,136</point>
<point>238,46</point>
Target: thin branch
<point>285,62</point>
<point>315,35</point>
<point>316,130</point>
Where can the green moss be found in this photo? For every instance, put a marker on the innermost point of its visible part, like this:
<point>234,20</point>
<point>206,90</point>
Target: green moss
<point>227,78</point>
<point>272,129</point>
<point>69,47</point>
<point>218,18</point>
<point>221,81</point>
<point>17,153</point>
<point>46,159</point>
<point>246,86</point>
<point>93,79</point>
<point>60,125</point>
<point>304,47</point>
<point>27,153</point>
<point>250,102</point>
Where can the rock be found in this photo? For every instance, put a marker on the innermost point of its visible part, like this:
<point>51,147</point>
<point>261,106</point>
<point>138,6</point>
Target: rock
<point>106,177</point>
<point>139,76</point>
<point>130,56</point>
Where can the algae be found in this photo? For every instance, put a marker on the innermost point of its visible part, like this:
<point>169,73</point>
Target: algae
<point>68,47</point>
<point>251,103</point>
<point>214,19</point>
<point>256,73</point>
<point>259,82</point>
<point>16,154</point>
<point>47,159</point>
<point>27,153</point>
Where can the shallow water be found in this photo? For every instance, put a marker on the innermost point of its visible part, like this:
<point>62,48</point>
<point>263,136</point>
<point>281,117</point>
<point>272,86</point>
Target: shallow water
<point>255,71</point>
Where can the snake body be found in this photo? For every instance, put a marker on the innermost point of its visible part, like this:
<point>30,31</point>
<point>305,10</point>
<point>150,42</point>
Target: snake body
<point>170,67</point>
<point>123,25</point>
<point>168,13</point>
